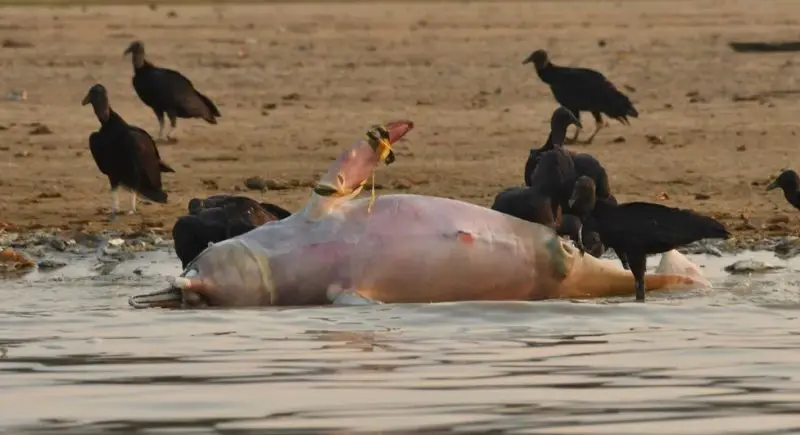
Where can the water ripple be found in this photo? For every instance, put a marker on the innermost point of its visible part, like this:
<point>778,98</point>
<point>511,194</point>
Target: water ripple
<point>78,360</point>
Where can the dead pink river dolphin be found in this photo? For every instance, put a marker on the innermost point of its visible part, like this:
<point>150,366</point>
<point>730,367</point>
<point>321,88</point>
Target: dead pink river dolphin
<point>397,249</point>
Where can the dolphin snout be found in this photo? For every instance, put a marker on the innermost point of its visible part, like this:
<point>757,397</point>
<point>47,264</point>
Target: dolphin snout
<point>230,273</point>
<point>184,291</point>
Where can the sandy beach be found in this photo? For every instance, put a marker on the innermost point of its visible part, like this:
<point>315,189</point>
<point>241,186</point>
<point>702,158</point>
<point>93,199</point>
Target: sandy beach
<point>298,82</point>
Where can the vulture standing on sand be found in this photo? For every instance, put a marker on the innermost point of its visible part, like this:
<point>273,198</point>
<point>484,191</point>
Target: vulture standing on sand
<point>583,89</point>
<point>125,153</point>
<point>168,91</point>
<point>219,218</point>
<point>635,229</point>
<point>789,182</point>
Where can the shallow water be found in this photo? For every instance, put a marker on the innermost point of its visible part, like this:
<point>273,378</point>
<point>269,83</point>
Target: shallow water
<point>75,358</point>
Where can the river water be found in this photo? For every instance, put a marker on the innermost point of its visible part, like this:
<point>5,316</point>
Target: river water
<point>75,358</point>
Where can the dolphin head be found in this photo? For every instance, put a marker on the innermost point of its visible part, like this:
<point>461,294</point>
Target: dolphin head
<point>232,273</point>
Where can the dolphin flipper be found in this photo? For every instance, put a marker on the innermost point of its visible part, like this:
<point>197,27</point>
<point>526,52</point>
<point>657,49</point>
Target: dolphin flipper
<point>348,297</point>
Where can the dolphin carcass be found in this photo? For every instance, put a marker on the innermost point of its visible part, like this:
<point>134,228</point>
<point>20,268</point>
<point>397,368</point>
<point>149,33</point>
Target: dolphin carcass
<point>394,248</point>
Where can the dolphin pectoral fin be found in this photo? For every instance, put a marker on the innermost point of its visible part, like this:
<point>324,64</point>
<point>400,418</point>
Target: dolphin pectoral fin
<point>348,297</point>
<point>352,298</point>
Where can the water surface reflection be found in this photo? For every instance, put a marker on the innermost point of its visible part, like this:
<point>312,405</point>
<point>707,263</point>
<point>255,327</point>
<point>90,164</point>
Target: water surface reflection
<point>75,359</point>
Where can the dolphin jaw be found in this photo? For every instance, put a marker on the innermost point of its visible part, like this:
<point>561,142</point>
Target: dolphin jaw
<point>180,294</point>
<point>170,297</point>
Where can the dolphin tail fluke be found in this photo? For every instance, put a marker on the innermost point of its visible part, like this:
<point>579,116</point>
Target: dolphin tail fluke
<point>590,277</point>
<point>659,281</point>
<point>675,271</point>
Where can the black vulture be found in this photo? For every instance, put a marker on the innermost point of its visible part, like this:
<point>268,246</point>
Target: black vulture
<point>168,91</point>
<point>635,229</point>
<point>581,227</point>
<point>559,121</point>
<point>592,242</point>
<point>583,89</point>
<point>583,189</point>
<point>545,199</point>
<point>554,176</point>
<point>564,169</point>
<point>192,234</point>
<point>528,203</point>
<point>582,230</point>
<point>243,204</point>
<point>789,182</point>
<point>585,164</point>
<point>126,154</point>
<point>588,165</point>
<point>219,218</point>
<point>585,239</point>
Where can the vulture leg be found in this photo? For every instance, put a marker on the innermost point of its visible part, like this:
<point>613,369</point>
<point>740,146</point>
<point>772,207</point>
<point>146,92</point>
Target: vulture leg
<point>574,139</point>
<point>638,263</point>
<point>133,203</point>
<point>599,124</point>
<point>623,258</point>
<point>114,202</point>
<point>160,116</point>
<point>173,121</point>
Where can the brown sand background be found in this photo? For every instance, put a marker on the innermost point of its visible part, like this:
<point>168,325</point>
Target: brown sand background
<point>452,67</point>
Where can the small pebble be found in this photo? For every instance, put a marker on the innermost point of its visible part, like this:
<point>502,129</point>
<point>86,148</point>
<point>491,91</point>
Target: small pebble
<point>116,242</point>
<point>750,266</point>
<point>255,183</point>
<point>51,264</point>
<point>58,245</point>
<point>40,129</point>
<point>654,140</point>
<point>15,43</point>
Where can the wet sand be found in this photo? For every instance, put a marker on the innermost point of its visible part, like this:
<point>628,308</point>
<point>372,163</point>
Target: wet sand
<point>297,83</point>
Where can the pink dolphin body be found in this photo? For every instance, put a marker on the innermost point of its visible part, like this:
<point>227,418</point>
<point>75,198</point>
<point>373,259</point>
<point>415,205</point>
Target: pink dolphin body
<point>401,248</point>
